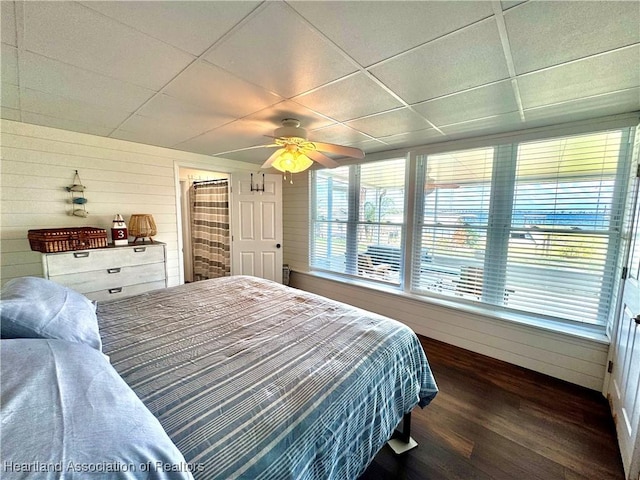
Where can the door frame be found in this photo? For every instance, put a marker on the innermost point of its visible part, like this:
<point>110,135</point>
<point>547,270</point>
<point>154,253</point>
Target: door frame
<point>615,327</point>
<point>180,223</point>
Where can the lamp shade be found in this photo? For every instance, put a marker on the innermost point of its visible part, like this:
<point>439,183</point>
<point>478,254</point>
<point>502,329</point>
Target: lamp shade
<point>142,225</point>
<point>292,162</point>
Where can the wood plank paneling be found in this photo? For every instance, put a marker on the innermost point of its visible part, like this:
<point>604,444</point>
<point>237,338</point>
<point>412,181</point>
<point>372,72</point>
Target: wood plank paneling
<point>37,163</point>
<point>295,214</point>
<point>577,360</point>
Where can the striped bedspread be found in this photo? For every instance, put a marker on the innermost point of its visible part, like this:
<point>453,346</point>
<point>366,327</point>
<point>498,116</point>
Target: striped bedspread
<point>252,379</point>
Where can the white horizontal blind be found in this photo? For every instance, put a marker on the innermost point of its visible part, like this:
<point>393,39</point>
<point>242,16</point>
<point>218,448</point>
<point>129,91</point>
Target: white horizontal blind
<point>532,226</point>
<point>329,217</point>
<point>453,211</point>
<point>358,220</point>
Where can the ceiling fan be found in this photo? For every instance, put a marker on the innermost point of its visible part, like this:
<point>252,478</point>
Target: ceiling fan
<point>431,185</point>
<point>296,153</point>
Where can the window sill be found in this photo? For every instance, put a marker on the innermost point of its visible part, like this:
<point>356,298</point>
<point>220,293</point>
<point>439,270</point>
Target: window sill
<point>584,332</point>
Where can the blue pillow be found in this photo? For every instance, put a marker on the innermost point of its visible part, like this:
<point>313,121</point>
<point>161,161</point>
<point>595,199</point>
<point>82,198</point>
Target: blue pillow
<point>67,413</point>
<point>32,307</point>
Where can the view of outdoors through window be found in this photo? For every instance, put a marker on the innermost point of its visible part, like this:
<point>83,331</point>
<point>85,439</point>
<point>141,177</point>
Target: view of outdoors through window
<point>369,243</point>
<point>528,226</point>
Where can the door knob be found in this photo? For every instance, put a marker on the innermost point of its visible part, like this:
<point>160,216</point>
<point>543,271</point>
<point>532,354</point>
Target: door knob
<point>278,245</point>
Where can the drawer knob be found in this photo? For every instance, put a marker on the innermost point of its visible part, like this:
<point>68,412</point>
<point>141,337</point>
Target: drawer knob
<point>81,254</point>
<point>139,249</point>
<point>115,290</point>
<point>113,270</point>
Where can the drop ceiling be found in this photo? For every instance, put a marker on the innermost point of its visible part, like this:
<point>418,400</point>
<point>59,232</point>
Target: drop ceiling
<point>214,77</point>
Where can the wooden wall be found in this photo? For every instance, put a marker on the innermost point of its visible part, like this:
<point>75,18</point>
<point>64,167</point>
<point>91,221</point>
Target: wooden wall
<point>37,163</point>
<point>578,360</point>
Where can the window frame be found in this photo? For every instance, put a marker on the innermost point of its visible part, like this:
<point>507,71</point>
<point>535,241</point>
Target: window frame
<point>353,223</point>
<point>510,142</point>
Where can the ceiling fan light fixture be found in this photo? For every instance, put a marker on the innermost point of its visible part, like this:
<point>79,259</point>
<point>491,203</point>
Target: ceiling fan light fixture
<point>292,162</point>
<point>297,153</point>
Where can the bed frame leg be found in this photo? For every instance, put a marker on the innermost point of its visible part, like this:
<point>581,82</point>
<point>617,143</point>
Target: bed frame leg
<point>401,441</point>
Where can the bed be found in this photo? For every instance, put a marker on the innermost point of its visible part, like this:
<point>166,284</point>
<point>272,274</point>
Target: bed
<point>252,379</point>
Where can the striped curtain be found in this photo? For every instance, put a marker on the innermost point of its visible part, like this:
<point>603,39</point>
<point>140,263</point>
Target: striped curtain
<point>210,229</point>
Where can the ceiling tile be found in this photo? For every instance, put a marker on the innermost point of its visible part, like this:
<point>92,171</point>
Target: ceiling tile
<point>276,49</point>
<point>370,145</point>
<point>67,32</point>
<point>402,120</point>
<point>465,59</point>
<point>419,137</point>
<point>480,102</point>
<point>65,124</point>
<point>585,108</point>
<point>154,131</point>
<point>593,76</point>
<point>55,106</point>
<point>50,76</point>
<point>393,27</point>
<point>9,62</point>
<point>507,4</point>
<point>235,135</point>
<point>338,134</point>
<point>183,116</point>
<point>365,96</point>
<point>484,126</point>
<point>192,26</point>
<point>542,34</point>
<point>8,23</point>
<point>216,90</point>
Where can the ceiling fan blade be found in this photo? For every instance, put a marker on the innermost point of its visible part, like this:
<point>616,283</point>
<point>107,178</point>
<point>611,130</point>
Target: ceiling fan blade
<point>321,158</point>
<point>339,149</point>
<point>272,158</point>
<point>441,185</point>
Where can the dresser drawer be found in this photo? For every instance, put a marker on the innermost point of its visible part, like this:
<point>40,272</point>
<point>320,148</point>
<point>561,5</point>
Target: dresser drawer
<point>111,272</point>
<point>126,291</point>
<point>101,259</point>
<point>109,278</point>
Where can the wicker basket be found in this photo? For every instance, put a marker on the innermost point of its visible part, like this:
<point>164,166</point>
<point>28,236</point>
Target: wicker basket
<point>65,239</point>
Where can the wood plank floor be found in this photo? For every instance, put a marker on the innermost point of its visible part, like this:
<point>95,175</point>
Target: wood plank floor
<point>493,420</point>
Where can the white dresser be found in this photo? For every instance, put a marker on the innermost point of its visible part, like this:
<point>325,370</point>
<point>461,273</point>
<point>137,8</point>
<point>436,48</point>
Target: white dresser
<point>111,272</point>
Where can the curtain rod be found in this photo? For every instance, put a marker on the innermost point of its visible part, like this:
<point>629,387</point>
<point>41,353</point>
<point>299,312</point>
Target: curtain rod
<point>210,182</point>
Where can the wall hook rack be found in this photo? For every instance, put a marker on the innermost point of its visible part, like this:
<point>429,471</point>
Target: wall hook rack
<point>257,187</point>
<point>78,201</point>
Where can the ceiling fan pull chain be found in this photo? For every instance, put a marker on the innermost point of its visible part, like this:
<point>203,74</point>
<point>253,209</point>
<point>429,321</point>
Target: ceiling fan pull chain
<point>290,177</point>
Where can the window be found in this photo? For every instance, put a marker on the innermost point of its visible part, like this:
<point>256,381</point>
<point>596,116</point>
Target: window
<point>531,226</point>
<point>358,220</point>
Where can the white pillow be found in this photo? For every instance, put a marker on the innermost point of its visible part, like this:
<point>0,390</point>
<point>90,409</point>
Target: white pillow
<point>32,307</point>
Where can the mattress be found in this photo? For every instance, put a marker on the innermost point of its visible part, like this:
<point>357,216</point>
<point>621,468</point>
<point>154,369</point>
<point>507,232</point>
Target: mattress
<point>253,379</point>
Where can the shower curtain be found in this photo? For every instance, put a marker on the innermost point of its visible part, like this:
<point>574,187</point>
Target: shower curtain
<point>210,229</point>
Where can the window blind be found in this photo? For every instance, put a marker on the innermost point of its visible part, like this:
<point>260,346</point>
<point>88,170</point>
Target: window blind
<point>531,226</point>
<point>358,220</point>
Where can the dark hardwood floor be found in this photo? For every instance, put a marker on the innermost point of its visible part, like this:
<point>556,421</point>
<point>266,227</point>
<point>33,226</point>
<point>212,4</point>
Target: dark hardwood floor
<point>493,420</point>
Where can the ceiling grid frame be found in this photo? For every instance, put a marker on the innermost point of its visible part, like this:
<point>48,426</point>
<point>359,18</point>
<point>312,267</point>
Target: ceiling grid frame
<point>472,104</point>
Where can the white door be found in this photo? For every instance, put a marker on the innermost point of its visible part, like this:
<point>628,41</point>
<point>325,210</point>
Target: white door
<point>256,230</point>
<point>624,386</point>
